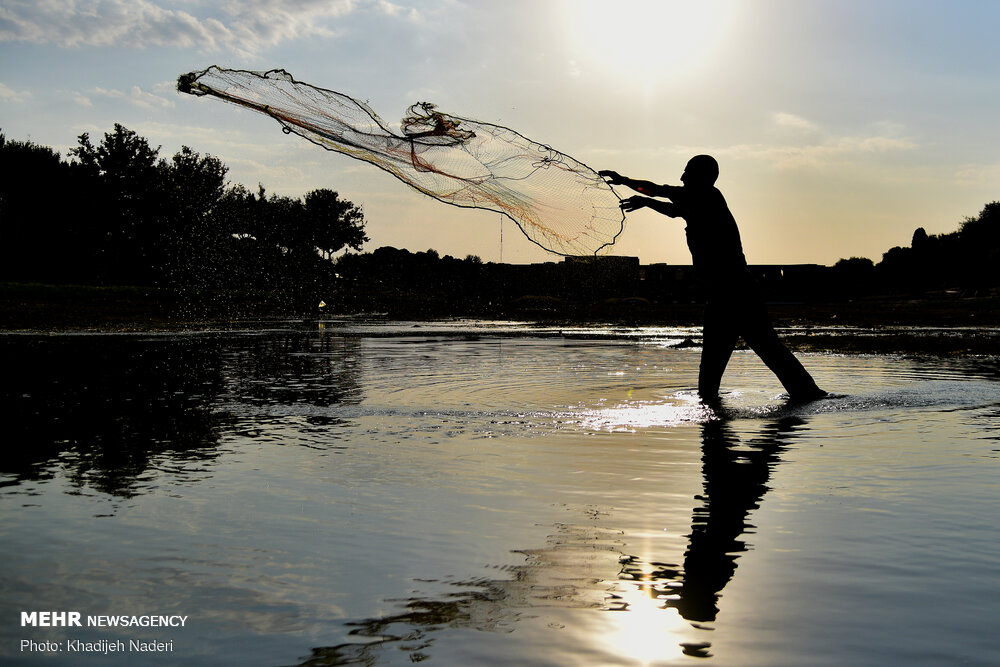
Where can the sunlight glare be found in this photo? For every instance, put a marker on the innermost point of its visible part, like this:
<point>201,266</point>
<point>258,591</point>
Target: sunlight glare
<point>647,41</point>
<point>646,632</point>
<point>679,408</point>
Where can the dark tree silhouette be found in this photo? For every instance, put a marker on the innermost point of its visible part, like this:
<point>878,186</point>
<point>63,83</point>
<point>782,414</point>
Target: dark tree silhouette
<point>981,240</point>
<point>967,259</point>
<point>854,276</point>
<point>332,223</point>
<point>117,214</point>
<point>39,232</point>
<point>195,242</point>
<point>122,179</point>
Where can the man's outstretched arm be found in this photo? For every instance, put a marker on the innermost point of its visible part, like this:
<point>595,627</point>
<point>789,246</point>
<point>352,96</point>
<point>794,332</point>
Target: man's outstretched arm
<point>647,188</point>
<point>665,207</point>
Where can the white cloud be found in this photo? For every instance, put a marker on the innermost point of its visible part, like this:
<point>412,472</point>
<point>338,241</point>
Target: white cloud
<point>791,120</point>
<point>11,96</point>
<point>135,96</point>
<point>212,139</point>
<point>393,9</point>
<point>256,23</point>
<point>826,150</point>
<point>166,88</point>
<point>820,155</point>
<point>814,151</point>
<point>877,144</point>
<point>245,26</point>
<point>128,23</point>
<point>978,175</point>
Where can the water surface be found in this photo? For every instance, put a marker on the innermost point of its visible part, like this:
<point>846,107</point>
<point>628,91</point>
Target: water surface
<point>477,494</point>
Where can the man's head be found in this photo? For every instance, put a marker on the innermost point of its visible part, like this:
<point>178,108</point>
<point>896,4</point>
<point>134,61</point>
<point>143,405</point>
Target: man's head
<point>701,172</point>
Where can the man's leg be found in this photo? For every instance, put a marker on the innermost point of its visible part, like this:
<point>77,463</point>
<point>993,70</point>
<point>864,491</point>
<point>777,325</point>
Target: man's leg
<point>719,338</point>
<point>763,339</point>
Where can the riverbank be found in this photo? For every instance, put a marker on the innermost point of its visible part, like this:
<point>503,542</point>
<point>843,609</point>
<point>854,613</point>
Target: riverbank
<point>941,324</point>
<point>38,307</point>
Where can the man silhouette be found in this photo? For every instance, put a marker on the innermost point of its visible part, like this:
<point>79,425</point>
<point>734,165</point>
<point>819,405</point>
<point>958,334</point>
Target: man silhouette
<point>734,308</point>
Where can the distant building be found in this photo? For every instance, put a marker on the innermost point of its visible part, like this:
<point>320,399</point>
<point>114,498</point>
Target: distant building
<point>596,278</point>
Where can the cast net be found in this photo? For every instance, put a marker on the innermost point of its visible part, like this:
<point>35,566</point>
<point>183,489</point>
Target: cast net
<point>558,202</point>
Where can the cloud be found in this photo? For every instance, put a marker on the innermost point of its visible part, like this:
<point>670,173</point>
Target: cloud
<point>128,23</point>
<point>820,148</point>
<point>791,120</point>
<point>257,23</point>
<point>11,96</point>
<point>393,9</point>
<point>815,151</point>
<point>136,96</point>
<point>819,155</point>
<point>877,144</point>
<point>244,26</point>
<point>827,150</point>
<point>978,175</point>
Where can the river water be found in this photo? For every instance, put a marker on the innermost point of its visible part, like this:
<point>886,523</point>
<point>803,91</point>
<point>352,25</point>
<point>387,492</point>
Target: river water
<point>476,493</point>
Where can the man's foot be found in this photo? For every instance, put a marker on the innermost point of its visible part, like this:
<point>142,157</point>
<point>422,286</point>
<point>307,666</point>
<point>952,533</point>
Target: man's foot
<point>708,396</point>
<point>805,396</point>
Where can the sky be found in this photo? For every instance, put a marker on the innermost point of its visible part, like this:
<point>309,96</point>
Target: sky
<point>840,126</point>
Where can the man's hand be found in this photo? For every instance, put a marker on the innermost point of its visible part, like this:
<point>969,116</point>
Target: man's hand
<point>667,208</point>
<point>635,203</point>
<point>613,177</point>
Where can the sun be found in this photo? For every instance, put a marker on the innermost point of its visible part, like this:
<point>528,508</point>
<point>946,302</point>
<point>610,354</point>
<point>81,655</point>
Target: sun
<point>647,41</point>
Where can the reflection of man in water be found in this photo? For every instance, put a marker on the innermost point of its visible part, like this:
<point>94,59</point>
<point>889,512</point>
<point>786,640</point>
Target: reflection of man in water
<point>736,474</point>
<point>734,309</point>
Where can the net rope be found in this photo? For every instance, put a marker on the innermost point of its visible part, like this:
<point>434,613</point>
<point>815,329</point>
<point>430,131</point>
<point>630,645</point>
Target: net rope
<point>558,202</point>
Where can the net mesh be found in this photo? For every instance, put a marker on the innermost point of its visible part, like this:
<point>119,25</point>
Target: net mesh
<point>558,202</point>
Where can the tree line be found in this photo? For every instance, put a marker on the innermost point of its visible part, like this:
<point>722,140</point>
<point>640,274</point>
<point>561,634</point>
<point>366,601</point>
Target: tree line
<point>965,260</point>
<point>116,213</point>
<point>968,258</point>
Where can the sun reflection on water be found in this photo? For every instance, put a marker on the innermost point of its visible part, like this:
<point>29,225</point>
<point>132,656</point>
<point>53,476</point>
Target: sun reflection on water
<point>646,631</point>
<point>646,628</point>
<point>679,408</point>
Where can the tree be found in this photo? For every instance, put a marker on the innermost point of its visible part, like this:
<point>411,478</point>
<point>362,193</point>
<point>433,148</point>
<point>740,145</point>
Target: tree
<point>197,182</point>
<point>124,160</point>
<point>39,230</point>
<point>126,199</point>
<point>118,214</point>
<point>244,260</point>
<point>985,228</point>
<point>979,241</point>
<point>333,223</point>
<point>194,241</point>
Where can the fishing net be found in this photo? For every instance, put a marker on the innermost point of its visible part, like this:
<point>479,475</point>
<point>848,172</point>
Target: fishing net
<point>558,202</point>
